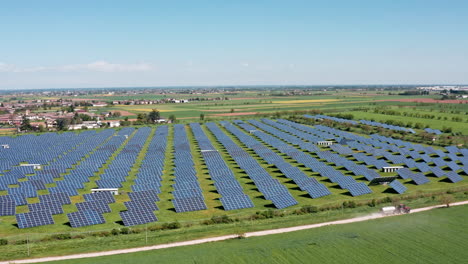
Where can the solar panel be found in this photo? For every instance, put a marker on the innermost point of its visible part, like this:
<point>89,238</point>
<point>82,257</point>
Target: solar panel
<point>317,190</point>
<point>397,186</point>
<point>189,204</point>
<point>283,200</point>
<point>148,194</point>
<point>19,199</point>
<point>7,208</point>
<point>141,204</point>
<point>187,193</point>
<point>85,218</point>
<point>419,178</point>
<point>135,217</point>
<point>59,197</point>
<point>233,191</point>
<point>358,188</point>
<point>453,177</point>
<point>146,187</point>
<point>36,218</point>
<point>54,207</point>
<point>99,206</point>
<point>105,196</point>
<point>236,202</point>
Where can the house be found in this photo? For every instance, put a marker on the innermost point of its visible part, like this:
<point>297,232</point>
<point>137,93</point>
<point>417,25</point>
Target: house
<point>161,120</point>
<point>113,123</point>
<point>85,124</point>
<point>99,104</point>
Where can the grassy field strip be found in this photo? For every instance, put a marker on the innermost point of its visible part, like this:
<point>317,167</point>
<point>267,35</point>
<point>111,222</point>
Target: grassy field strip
<point>221,238</point>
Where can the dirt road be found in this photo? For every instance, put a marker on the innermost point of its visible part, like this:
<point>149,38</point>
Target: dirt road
<point>220,238</point>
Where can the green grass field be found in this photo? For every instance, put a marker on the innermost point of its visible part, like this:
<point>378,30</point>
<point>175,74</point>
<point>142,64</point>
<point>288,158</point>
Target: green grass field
<point>436,236</point>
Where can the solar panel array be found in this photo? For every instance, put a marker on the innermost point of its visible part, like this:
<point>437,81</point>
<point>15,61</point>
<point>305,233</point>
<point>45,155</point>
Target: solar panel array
<point>269,187</point>
<point>7,208</point>
<point>185,200</point>
<point>85,218</point>
<point>336,119</point>
<point>398,186</point>
<point>325,170</point>
<point>132,217</point>
<point>36,218</point>
<point>54,207</point>
<point>70,160</point>
<point>433,131</point>
<point>226,183</point>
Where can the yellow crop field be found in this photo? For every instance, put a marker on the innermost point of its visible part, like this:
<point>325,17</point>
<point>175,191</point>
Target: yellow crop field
<point>308,101</point>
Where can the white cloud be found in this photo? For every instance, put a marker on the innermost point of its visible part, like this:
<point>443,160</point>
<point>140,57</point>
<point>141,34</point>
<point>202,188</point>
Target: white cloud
<point>97,66</point>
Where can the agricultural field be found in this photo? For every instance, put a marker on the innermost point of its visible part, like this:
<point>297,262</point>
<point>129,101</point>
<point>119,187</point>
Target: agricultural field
<point>436,236</point>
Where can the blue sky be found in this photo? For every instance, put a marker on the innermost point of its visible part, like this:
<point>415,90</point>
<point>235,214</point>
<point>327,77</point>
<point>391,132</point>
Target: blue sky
<point>62,44</point>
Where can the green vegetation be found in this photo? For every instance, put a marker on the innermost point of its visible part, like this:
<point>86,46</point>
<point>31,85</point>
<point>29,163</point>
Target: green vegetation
<point>436,236</point>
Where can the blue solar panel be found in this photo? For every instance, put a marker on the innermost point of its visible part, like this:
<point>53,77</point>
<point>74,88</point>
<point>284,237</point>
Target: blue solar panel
<point>32,219</point>
<point>189,204</point>
<point>317,190</point>
<point>187,193</point>
<point>135,217</point>
<point>358,188</point>
<point>105,196</point>
<point>54,207</point>
<point>283,200</point>
<point>59,197</point>
<point>453,177</point>
<point>419,178</point>
<point>147,194</point>
<point>397,186</point>
<point>7,208</point>
<point>85,218</point>
<point>99,206</point>
<point>19,199</point>
<point>236,202</point>
<point>141,204</point>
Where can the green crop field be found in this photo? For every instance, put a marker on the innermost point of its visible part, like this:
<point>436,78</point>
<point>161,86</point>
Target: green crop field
<point>436,236</point>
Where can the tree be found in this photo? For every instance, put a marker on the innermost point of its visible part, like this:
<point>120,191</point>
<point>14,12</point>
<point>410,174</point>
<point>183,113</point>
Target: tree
<point>447,199</point>
<point>202,116</point>
<point>116,114</point>
<point>62,124</point>
<point>25,124</point>
<point>41,128</point>
<point>154,115</point>
<point>172,118</point>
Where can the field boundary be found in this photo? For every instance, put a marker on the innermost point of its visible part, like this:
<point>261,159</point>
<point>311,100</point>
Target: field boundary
<point>221,238</point>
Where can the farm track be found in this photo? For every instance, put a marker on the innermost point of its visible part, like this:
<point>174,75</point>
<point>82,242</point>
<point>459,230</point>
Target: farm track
<point>221,238</point>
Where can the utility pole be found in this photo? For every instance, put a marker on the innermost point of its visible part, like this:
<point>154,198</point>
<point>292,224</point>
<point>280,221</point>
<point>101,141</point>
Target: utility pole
<point>27,244</point>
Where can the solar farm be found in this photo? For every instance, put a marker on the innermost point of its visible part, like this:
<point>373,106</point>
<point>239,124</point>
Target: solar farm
<point>179,172</point>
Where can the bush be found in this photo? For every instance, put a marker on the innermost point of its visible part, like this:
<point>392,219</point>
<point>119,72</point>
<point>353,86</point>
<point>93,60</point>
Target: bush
<point>224,219</point>
<point>349,204</point>
<point>125,231</point>
<point>3,242</point>
<point>21,242</point>
<point>61,236</point>
<point>173,225</point>
<point>115,232</point>
<point>308,209</point>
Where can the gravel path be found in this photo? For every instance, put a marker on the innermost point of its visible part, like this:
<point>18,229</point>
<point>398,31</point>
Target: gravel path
<point>220,238</point>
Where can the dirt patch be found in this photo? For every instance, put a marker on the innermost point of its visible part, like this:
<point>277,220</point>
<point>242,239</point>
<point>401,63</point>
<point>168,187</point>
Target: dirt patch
<point>426,100</point>
<point>236,114</point>
<point>123,113</point>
